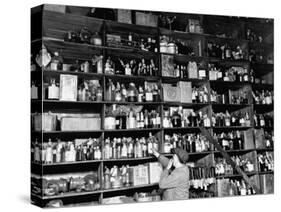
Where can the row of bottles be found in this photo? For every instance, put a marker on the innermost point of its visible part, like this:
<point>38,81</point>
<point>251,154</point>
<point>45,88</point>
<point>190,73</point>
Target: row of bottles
<point>268,139</point>
<point>180,117</point>
<point>117,118</point>
<point>131,67</point>
<point>201,177</point>
<point>178,46</point>
<point>233,140</point>
<point>83,36</point>
<point>200,94</point>
<point>263,120</point>
<point>236,187</point>
<point>188,142</point>
<point>266,162</point>
<point>60,151</point>
<point>88,90</point>
<point>223,168</point>
<point>191,70</point>
<point>235,98</point>
<point>226,119</point>
<point>225,52</point>
<point>116,177</point>
<point>231,74</point>
<point>265,97</point>
<point>150,92</point>
<point>129,147</point>
<point>133,40</point>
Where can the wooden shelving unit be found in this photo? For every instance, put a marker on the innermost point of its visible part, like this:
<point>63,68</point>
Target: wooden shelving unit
<point>55,25</point>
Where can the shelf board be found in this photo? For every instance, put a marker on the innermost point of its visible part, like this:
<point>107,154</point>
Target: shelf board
<point>236,175</point>
<point>81,74</point>
<point>241,151</point>
<point>228,84</point>
<point>130,187</point>
<point>231,107</point>
<point>130,159</point>
<point>133,103</point>
<point>131,77</point>
<point>265,150</point>
<point>190,105</point>
<point>267,172</point>
<point>262,86</point>
<point>263,108</point>
<point>71,194</point>
<point>133,130</point>
<point>177,79</point>
<point>232,128</point>
<point>67,163</point>
<point>182,128</point>
<point>264,127</point>
<point>190,153</point>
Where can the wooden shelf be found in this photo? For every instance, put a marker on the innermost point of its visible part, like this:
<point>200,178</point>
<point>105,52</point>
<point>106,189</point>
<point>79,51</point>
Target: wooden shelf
<point>240,151</point>
<point>130,187</point>
<point>265,150</point>
<point>232,128</point>
<point>267,172</point>
<point>236,175</point>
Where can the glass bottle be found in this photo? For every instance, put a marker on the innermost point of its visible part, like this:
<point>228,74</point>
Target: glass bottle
<point>132,93</point>
<point>56,62</point>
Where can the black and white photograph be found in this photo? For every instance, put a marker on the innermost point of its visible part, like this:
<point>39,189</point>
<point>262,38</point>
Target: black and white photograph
<point>132,106</point>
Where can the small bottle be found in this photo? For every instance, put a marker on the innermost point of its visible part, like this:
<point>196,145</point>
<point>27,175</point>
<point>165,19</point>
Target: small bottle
<point>56,62</point>
<point>53,90</point>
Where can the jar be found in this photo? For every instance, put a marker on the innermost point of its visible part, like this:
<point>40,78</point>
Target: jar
<point>132,93</point>
<point>171,48</point>
<point>109,123</point>
<point>163,47</point>
<point>176,120</point>
<point>99,94</point>
<point>96,40</point>
<point>85,35</point>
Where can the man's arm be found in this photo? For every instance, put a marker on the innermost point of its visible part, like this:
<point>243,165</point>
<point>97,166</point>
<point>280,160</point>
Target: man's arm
<point>173,180</point>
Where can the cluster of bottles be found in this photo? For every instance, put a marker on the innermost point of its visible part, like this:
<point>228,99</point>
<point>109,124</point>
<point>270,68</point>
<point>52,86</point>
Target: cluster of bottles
<point>263,97</point>
<point>200,94</point>
<point>90,90</point>
<point>226,119</point>
<point>223,168</point>
<point>83,36</point>
<point>231,74</point>
<point>188,142</point>
<point>266,162</point>
<point>73,182</point>
<point>201,177</point>
<point>131,67</point>
<point>60,151</point>
<point>225,52</point>
<point>185,118</point>
<point>233,140</point>
<point>116,177</point>
<point>133,40</point>
<point>263,120</point>
<point>119,93</point>
<point>253,36</point>
<point>236,98</point>
<point>94,65</point>
<point>129,147</point>
<point>192,70</point>
<point>238,187</point>
<point>268,139</point>
<point>171,46</point>
<point>131,120</point>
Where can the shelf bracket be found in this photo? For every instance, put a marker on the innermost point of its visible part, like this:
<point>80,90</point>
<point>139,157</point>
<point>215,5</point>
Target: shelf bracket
<point>208,135</point>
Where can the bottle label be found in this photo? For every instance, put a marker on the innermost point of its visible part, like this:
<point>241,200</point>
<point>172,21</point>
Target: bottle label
<point>148,96</point>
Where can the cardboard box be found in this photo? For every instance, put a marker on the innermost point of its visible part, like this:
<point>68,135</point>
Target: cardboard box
<point>68,87</point>
<point>186,92</point>
<point>155,171</point>
<point>171,93</point>
<point>146,19</point>
<point>124,16</point>
<point>44,122</point>
<point>167,62</point>
<point>139,175</point>
<point>80,123</point>
<point>55,8</point>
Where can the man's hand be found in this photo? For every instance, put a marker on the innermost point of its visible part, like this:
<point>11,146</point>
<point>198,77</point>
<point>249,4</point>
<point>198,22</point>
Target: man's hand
<point>170,164</point>
<point>155,152</point>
